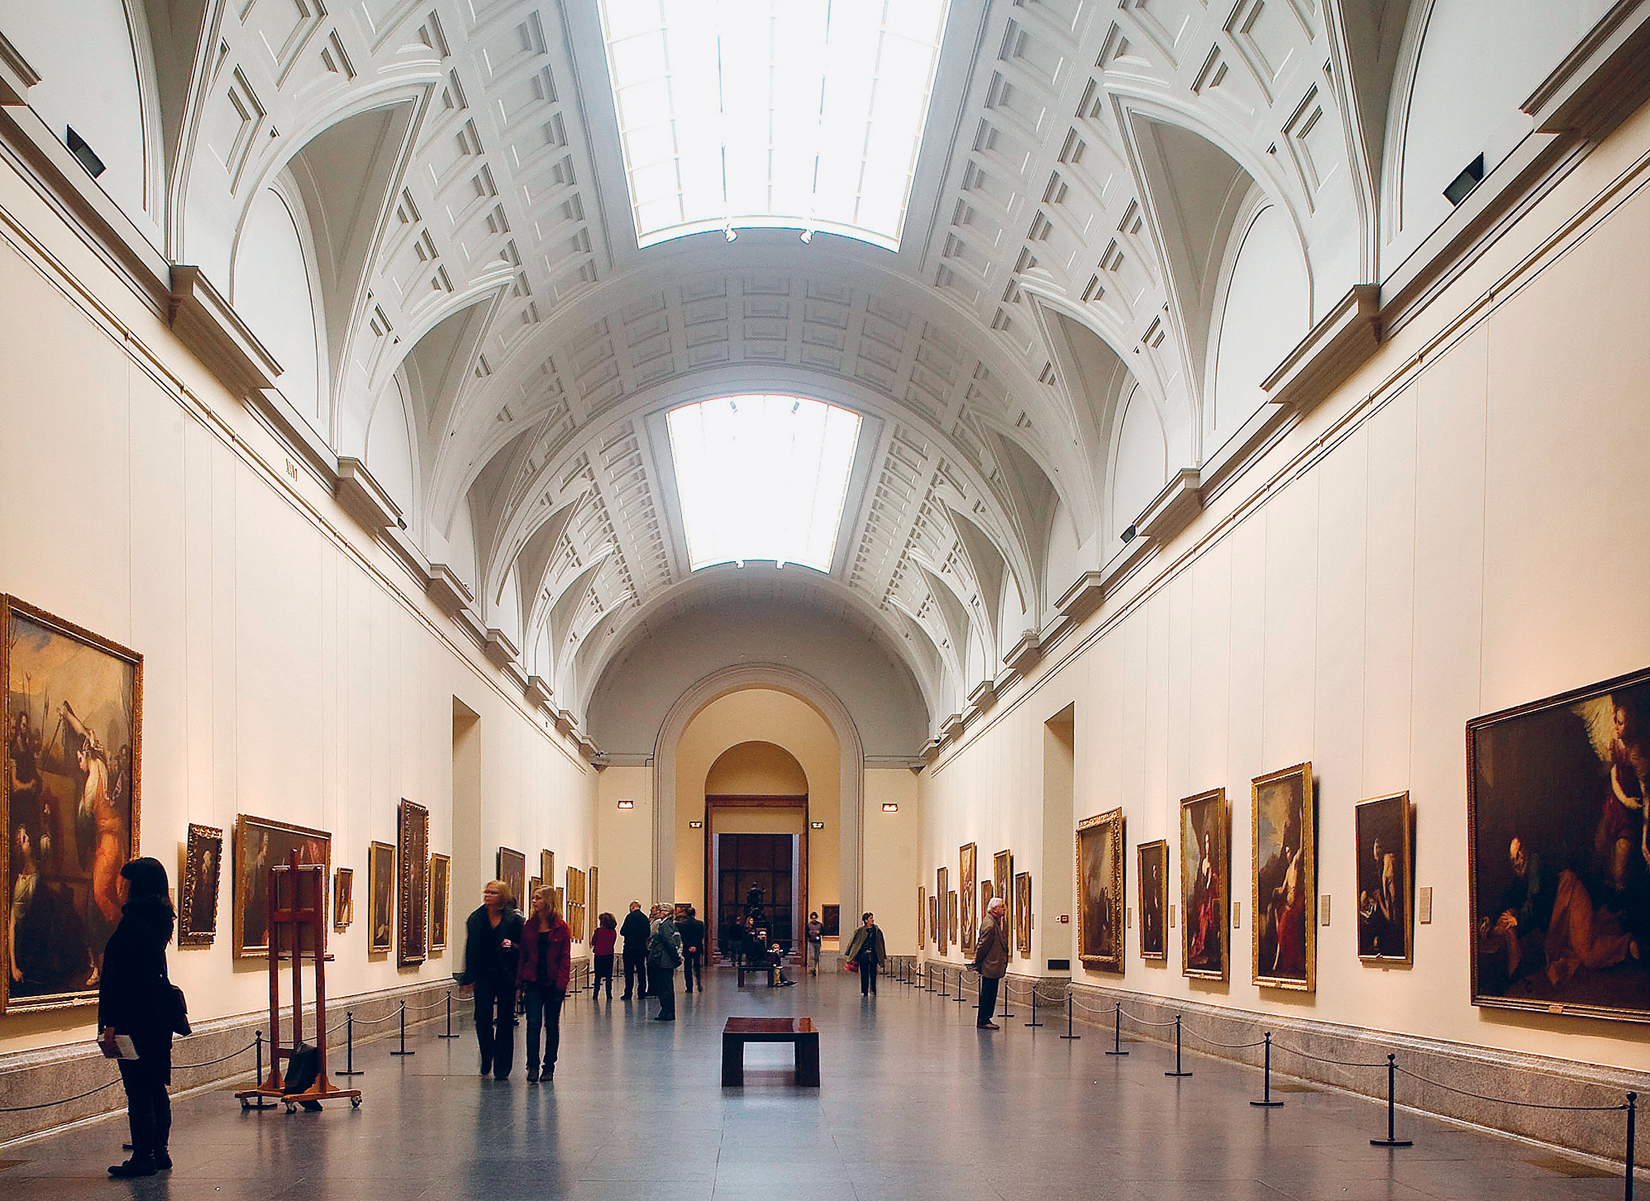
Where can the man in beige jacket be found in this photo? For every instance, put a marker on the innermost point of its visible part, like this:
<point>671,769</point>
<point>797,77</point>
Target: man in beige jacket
<point>991,960</point>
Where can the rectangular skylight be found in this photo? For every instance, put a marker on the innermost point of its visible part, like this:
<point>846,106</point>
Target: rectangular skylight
<point>762,477</point>
<point>795,114</point>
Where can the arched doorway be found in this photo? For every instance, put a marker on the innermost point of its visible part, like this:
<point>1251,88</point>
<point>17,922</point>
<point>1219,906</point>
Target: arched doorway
<point>756,843</point>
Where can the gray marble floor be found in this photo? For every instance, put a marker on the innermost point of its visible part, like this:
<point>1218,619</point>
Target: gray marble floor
<point>916,1105</point>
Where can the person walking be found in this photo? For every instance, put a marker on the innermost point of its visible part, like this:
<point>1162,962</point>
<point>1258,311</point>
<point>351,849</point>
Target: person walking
<point>867,952</point>
<point>635,931</point>
<point>815,935</point>
<point>692,931</point>
<point>991,961</point>
<point>492,943</point>
<point>601,950</point>
<point>135,1000</point>
<point>664,955</point>
<point>544,972</point>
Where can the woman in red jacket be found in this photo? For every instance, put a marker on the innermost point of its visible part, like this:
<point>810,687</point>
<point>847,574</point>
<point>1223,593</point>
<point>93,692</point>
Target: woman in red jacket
<point>601,949</point>
<point>542,975</point>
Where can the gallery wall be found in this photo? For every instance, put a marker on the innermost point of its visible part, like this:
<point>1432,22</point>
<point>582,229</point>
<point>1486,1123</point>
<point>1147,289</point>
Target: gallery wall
<point>291,669</point>
<point>1446,536</point>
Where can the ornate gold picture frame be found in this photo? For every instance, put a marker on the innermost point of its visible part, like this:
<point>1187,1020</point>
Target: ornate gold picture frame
<point>1283,925</point>
<point>413,884</point>
<point>1205,885</point>
<point>1100,905</point>
<point>202,865</point>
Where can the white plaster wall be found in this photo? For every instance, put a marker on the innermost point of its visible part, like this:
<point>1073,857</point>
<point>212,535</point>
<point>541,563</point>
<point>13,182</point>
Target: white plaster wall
<point>1141,467</point>
<point>274,294</point>
<point>88,70</point>
<point>289,671</point>
<point>1266,311</point>
<point>1456,552</point>
<point>390,455</point>
<point>892,861</point>
<point>625,838</point>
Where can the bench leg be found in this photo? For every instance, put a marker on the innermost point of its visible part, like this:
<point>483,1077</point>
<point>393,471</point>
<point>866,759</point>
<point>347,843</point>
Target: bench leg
<point>733,1061</point>
<point>807,1061</point>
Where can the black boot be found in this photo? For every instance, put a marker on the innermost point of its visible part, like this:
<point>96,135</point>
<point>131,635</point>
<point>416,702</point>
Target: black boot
<point>138,1165</point>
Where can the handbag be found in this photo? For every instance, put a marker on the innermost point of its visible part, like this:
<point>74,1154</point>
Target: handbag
<point>851,965</point>
<point>176,1007</point>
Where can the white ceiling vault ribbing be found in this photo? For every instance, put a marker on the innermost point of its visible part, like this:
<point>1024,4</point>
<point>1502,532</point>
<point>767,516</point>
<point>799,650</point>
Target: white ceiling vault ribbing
<point>1083,166</point>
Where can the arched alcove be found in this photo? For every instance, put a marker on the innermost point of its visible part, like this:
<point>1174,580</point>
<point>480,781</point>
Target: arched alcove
<point>756,813</point>
<point>756,768</point>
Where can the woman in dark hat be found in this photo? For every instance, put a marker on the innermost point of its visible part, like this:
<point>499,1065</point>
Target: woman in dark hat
<point>135,999</point>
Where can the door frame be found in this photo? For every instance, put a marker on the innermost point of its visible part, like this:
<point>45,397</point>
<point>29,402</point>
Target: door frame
<point>714,801</point>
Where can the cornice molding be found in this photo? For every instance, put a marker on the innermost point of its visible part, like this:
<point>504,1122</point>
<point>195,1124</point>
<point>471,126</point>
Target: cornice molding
<point>16,76</point>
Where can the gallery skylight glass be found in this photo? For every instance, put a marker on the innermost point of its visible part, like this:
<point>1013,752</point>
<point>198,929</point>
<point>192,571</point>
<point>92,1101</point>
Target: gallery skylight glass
<point>762,477</point>
<point>794,114</point>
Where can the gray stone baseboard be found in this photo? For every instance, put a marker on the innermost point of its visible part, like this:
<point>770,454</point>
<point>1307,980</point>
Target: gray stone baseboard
<point>68,1070</point>
<point>1465,1068</point>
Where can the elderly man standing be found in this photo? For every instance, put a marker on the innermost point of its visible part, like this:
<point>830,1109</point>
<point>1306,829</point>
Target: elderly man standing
<point>635,931</point>
<point>664,956</point>
<point>991,961</point>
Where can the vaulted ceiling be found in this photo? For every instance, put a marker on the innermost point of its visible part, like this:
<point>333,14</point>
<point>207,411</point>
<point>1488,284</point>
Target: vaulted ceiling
<point>1086,166</point>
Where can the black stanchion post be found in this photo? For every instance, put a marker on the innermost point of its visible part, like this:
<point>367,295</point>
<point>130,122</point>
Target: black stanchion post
<point>1068,1036</point>
<point>349,1046</point>
<point>1177,1069</point>
<point>945,984</point>
<point>403,1049</point>
<point>260,1103</point>
<point>1266,1101</point>
<point>449,1033</point>
<point>1117,1034</point>
<point>1034,1021</point>
<point>1632,1130</point>
<point>1391,1139</point>
<point>1008,996</point>
<point>960,997</point>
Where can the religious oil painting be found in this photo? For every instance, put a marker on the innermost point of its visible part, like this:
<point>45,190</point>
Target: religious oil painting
<point>967,875</point>
<point>1022,914</point>
<point>934,921</point>
<point>261,844</point>
<point>198,902</point>
<point>1154,899</point>
<point>1100,891</point>
<point>512,869</point>
<point>343,898</point>
<point>1559,855</point>
<point>441,875</point>
<point>1205,884</point>
<point>1283,930</point>
<point>1386,880</point>
<point>943,936</point>
<point>525,904</point>
<point>922,906</point>
<point>380,896</point>
<point>72,714</point>
<point>1002,883</point>
<point>954,909</point>
<point>413,884</point>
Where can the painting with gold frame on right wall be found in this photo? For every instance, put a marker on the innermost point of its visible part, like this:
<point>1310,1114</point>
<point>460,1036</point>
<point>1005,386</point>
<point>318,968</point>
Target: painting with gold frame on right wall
<point>1284,926</point>
<point>1100,907</point>
<point>1205,884</point>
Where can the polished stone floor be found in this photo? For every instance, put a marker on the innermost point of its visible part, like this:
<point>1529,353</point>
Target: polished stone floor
<point>916,1105</point>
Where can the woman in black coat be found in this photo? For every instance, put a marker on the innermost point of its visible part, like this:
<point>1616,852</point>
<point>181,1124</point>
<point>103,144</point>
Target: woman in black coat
<point>135,999</point>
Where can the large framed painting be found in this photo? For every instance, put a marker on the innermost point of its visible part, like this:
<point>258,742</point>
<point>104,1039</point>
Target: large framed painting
<point>261,844</point>
<point>202,863</point>
<point>922,906</point>
<point>547,873</point>
<point>967,876</point>
<point>1022,914</point>
<point>380,896</point>
<point>1205,884</point>
<point>343,898</point>
<point>512,869</point>
<point>830,921</point>
<point>1002,884</point>
<point>934,921</point>
<point>412,894</point>
<point>441,875</point>
<point>1100,891</point>
<point>1154,899</point>
<point>942,936</point>
<point>594,903</point>
<point>1558,853</point>
<point>954,909</point>
<point>1386,880</point>
<point>1284,928</point>
<point>72,708</point>
<point>534,883</point>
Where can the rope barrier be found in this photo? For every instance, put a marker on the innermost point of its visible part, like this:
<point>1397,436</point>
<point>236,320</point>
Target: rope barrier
<point>1509,1101</point>
<point>64,1101</point>
<point>183,1067</point>
<point>1345,1063</point>
<point>1215,1042</point>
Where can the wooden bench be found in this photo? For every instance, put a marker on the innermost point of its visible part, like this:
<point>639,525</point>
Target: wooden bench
<point>799,1031</point>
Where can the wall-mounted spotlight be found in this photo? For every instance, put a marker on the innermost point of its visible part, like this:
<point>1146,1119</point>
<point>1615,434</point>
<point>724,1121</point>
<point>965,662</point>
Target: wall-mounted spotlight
<point>696,825</point>
<point>627,804</point>
<point>816,825</point>
<point>890,807</point>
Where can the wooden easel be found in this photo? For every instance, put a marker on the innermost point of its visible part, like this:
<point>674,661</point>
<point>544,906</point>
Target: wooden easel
<point>305,883</point>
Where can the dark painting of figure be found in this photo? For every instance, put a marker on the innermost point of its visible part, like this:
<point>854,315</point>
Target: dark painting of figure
<point>1022,914</point>
<point>380,896</point>
<point>1285,879</point>
<point>512,869</point>
<point>1100,891</point>
<point>198,914</point>
<point>967,868</point>
<point>261,844</point>
<point>1154,899</point>
<point>1385,873</point>
<point>1205,837</point>
<point>1559,852</point>
<point>413,890</point>
<point>1002,884</point>
<point>71,718</point>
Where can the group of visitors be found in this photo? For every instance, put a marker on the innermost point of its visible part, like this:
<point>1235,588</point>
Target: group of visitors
<point>508,959</point>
